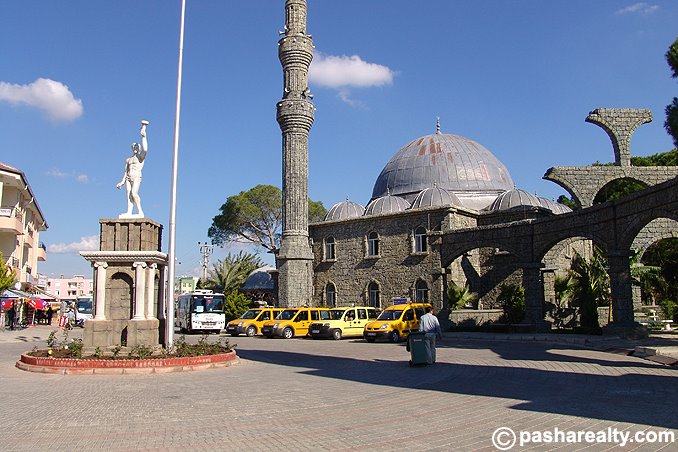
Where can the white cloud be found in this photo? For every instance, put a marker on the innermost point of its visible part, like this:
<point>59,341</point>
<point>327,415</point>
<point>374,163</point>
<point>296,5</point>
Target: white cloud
<point>342,71</point>
<point>56,172</point>
<point>640,8</point>
<point>89,243</point>
<point>52,97</point>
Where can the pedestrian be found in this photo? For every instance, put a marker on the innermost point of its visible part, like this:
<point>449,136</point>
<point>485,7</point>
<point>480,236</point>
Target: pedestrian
<point>50,313</point>
<point>38,316</point>
<point>11,316</point>
<point>428,324</point>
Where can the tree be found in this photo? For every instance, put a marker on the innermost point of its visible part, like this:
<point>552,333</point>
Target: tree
<point>229,274</point>
<point>671,124</point>
<point>459,297</point>
<point>590,288</point>
<point>236,305</point>
<point>255,216</point>
<point>7,275</point>
<point>512,300</point>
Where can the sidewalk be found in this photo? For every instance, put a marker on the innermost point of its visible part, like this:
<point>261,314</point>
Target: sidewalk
<point>33,333</point>
<point>659,343</point>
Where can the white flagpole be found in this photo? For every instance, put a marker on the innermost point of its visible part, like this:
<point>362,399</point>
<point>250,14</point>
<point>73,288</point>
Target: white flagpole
<point>169,338</point>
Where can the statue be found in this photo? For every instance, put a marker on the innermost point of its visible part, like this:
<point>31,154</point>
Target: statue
<point>132,177</point>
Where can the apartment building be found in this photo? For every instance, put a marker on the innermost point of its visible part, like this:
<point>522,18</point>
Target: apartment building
<point>69,288</point>
<point>21,222</point>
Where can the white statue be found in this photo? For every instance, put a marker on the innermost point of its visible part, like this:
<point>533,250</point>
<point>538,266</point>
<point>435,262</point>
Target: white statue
<point>132,177</point>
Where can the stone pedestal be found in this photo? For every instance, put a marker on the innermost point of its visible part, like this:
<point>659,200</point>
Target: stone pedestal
<point>129,272</point>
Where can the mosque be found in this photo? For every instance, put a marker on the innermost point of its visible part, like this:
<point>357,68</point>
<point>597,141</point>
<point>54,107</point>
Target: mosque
<point>438,182</point>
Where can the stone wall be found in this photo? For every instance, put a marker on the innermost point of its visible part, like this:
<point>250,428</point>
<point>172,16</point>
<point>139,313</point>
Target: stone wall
<point>473,317</point>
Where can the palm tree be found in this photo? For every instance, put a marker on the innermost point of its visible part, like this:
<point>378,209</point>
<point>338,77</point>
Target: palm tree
<point>229,274</point>
<point>590,287</point>
<point>460,297</point>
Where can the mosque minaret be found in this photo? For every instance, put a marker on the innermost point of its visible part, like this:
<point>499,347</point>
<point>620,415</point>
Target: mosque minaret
<point>295,117</point>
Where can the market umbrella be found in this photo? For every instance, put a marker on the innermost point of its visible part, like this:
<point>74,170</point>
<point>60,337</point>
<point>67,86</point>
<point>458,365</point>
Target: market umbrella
<point>6,303</point>
<point>38,304</point>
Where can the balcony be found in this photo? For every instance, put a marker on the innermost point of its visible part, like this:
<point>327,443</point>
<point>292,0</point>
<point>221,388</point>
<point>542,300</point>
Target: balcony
<point>29,241</point>
<point>42,252</point>
<point>11,220</point>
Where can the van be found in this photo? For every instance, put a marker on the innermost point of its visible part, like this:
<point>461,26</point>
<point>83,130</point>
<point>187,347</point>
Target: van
<point>395,322</point>
<point>250,322</point>
<point>344,322</point>
<point>294,322</point>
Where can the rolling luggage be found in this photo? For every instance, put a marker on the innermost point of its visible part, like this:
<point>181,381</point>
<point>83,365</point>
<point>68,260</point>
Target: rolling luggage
<point>416,344</point>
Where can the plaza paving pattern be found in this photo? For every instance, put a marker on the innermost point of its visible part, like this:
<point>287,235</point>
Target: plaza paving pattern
<point>302,394</point>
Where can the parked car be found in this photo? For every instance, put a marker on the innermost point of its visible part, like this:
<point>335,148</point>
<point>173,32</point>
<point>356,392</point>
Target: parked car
<point>344,322</point>
<point>395,322</point>
<point>294,322</point>
<point>250,322</point>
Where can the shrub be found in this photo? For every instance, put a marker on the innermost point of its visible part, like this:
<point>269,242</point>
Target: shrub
<point>512,300</point>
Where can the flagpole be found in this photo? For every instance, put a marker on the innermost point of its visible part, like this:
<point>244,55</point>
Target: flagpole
<point>169,338</point>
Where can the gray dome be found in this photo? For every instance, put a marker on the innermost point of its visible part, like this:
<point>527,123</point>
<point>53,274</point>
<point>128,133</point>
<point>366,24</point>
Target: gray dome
<point>345,210</point>
<point>386,204</point>
<point>435,196</point>
<point>259,279</point>
<point>454,163</point>
<point>553,206</point>
<point>514,198</point>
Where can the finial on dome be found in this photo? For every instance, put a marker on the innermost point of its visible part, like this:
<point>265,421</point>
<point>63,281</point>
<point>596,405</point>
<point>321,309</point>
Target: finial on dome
<point>346,197</point>
<point>438,125</point>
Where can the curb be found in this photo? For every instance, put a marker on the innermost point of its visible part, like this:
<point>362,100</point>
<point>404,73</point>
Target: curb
<point>71,366</point>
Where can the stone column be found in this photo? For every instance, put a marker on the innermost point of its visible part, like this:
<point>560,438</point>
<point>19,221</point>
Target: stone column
<point>100,300</point>
<point>620,286</point>
<point>162,292</point>
<point>139,290</point>
<point>150,290</point>
<point>548,276</point>
<point>534,296</point>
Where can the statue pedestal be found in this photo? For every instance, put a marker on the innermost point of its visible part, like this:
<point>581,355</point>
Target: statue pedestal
<point>129,283</point>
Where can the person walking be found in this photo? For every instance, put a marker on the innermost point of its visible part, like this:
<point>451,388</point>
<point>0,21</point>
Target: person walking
<point>11,316</point>
<point>428,324</point>
<point>50,313</point>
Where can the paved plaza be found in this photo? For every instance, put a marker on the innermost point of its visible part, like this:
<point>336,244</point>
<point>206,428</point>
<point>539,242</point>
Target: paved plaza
<point>303,394</point>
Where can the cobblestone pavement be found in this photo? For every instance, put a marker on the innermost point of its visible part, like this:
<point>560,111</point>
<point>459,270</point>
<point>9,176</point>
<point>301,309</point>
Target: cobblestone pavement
<point>302,394</point>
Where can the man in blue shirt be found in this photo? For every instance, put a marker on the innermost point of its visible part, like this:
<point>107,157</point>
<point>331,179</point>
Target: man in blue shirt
<point>428,323</point>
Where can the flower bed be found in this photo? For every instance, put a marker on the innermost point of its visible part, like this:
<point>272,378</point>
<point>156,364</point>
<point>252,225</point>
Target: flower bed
<point>123,366</point>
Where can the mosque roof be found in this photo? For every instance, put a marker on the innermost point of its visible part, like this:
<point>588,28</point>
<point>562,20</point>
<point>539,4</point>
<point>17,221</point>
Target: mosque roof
<point>435,196</point>
<point>452,162</point>
<point>386,204</point>
<point>259,279</point>
<point>345,210</point>
<point>514,198</point>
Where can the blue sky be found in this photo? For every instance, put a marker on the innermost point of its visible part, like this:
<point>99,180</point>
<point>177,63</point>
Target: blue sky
<point>519,77</point>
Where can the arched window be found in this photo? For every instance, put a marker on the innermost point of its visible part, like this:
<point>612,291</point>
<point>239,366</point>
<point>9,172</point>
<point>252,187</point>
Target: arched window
<point>420,245</point>
<point>421,291</point>
<point>373,244</point>
<point>329,249</point>
<point>330,295</point>
<point>374,294</point>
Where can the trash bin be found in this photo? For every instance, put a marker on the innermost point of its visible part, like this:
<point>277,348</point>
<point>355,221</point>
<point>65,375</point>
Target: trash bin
<point>416,344</point>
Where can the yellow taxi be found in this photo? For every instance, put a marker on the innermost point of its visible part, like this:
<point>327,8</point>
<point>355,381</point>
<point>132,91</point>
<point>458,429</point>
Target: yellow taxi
<point>395,322</point>
<point>294,322</point>
<point>344,322</point>
<point>250,322</point>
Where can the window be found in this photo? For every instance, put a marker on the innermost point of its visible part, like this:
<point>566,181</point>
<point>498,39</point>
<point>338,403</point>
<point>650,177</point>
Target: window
<point>362,314</point>
<point>315,315</point>
<point>329,249</point>
<point>302,317</point>
<point>373,244</point>
<point>330,295</point>
<point>422,291</point>
<point>420,245</point>
<point>374,294</point>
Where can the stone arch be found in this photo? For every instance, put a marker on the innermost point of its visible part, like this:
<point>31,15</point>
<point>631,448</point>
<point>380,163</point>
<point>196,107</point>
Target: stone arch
<point>654,231</point>
<point>614,179</point>
<point>120,297</point>
<point>645,218</point>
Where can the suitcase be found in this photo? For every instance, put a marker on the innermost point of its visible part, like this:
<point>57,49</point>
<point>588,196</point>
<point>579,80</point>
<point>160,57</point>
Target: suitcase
<point>416,344</point>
